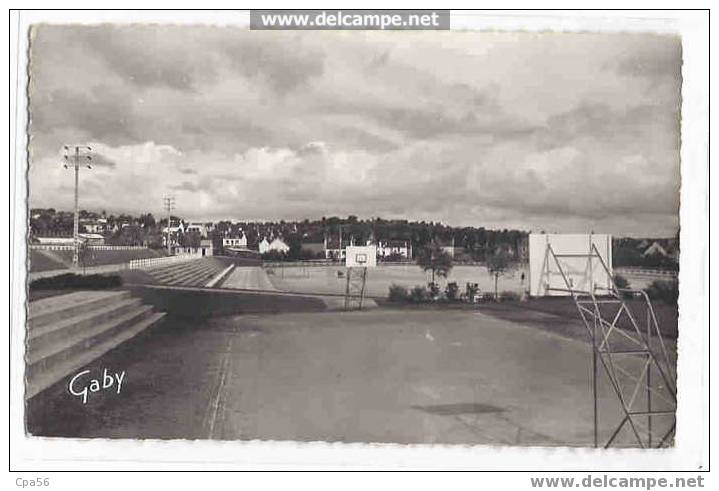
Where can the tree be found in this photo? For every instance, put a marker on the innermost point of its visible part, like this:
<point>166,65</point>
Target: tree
<point>433,258</point>
<point>294,241</point>
<point>129,235</point>
<point>497,264</point>
<point>147,220</point>
<point>190,239</point>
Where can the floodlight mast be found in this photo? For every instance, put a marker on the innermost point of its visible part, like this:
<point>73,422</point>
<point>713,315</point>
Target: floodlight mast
<point>169,205</point>
<point>72,156</point>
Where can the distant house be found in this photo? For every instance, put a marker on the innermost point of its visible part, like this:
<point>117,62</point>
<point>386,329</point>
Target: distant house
<point>235,241</point>
<point>200,228</point>
<point>94,226</point>
<point>264,246</point>
<point>333,249</point>
<point>92,239</point>
<point>655,249</point>
<point>174,229</point>
<point>389,248</point>
<point>277,245</point>
<point>205,249</point>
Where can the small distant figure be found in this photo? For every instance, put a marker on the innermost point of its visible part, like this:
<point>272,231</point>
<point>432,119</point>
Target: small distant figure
<point>472,292</point>
<point>522,277</point>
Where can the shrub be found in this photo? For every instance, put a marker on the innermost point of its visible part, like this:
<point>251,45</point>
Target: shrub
<point>70,280</point>
<point>419,294</point>
<point>397,293</point>
<point>394,257</point>
<point>452,291</point>
<point>509,296</point>
<point>274,256</point>
<point>433,289</point>
<point>621,281</point>
<point>665,291</point>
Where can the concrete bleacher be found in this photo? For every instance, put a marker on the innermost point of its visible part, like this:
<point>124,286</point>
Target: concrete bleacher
<point>67,332</point>
<point>197,272</point>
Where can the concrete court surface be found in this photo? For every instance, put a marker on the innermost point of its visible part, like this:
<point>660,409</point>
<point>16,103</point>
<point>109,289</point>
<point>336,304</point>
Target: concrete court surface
<point>324,279</point>
<point>249,278</point>
<point>255,278</point>
<point>397,376</point>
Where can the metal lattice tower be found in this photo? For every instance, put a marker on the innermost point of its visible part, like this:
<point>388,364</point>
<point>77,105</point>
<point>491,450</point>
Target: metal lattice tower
<point>72,157</point>
<point>354,291</point>
<point>169,202</point>
<point>634,358</point>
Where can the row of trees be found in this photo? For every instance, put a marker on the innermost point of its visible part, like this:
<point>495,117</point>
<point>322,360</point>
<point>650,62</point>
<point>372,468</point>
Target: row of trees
<point>474,242</point>
<point>432,258</point>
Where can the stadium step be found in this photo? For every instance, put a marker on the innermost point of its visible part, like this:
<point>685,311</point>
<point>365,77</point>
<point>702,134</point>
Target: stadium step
<point>57,308</point>
<point>57,332</point>
<point>189,275</point>
<point>192,273</point>
<point>170,271</point>
<point>201,278</point>
<point>177,271</point>
<point>198,274</point>
<point>195,278</point>
<point>68,333</point>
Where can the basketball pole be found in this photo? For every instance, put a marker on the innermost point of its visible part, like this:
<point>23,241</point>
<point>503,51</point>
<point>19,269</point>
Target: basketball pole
<point>599,326</point>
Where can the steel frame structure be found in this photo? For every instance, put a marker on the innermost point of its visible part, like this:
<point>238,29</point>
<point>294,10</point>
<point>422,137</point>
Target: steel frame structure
<point>616,339</point>
<point>73,155</point>
<point>354,290</point>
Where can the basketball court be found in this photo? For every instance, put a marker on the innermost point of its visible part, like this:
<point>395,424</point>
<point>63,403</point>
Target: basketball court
<point>373,376</point>
<point>393,375</point>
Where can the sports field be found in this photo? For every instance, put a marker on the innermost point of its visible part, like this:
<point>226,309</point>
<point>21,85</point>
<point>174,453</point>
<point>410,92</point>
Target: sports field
<point>326,279</point>
<point>401,376</point>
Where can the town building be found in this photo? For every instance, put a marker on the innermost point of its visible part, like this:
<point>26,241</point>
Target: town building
<point>276,245</point>
<point>235,241</point>
<point>197,227</point>
<point>204,249</point>
<point>396,248</point>
<point>94,225</point>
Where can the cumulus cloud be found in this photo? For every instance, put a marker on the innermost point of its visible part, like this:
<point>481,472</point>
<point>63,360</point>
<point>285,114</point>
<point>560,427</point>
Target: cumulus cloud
<point>561,132</point>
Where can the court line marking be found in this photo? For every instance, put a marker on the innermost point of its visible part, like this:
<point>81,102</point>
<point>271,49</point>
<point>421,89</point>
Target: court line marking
<point>215,404</point>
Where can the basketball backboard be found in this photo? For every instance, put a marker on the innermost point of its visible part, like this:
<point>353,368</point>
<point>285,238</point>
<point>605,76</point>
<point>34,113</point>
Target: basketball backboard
<point>580,258</point>
<point>361,256</point>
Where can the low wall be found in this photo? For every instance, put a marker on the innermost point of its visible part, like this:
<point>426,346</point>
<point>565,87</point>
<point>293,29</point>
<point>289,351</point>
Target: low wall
<point>197,303</point>
<point>154,262</point>
<point>239,260</point>
<point>639,271</point>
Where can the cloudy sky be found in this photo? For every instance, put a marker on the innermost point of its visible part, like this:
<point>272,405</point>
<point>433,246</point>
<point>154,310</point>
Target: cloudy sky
<point>560,132</point>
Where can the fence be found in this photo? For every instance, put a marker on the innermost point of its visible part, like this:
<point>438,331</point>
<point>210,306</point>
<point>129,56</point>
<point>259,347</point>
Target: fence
<point>153,262</point>
<point>70,247</point>
<point>659,273</point>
